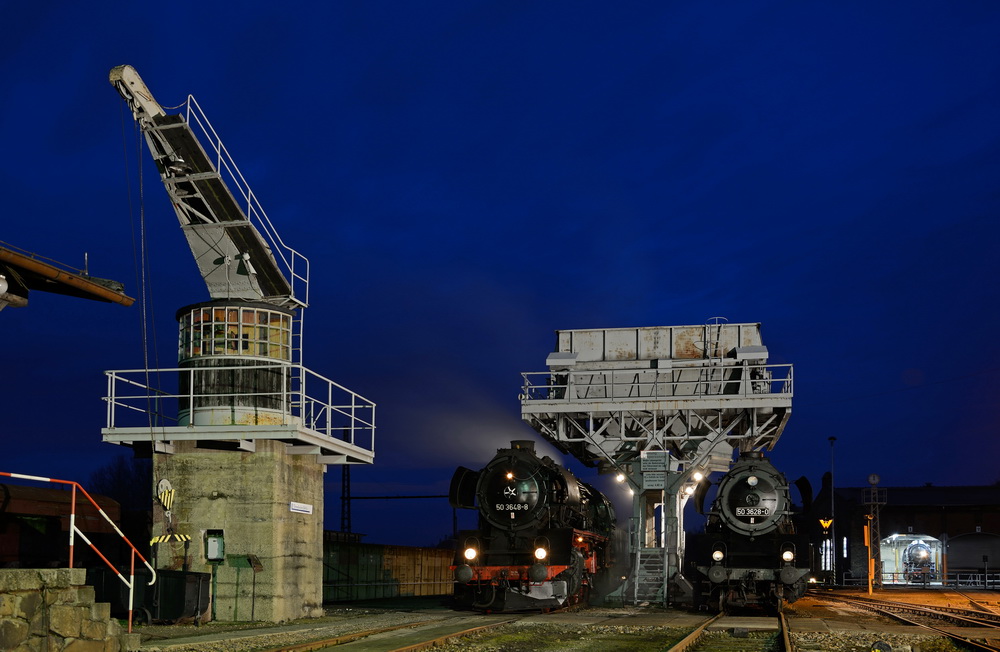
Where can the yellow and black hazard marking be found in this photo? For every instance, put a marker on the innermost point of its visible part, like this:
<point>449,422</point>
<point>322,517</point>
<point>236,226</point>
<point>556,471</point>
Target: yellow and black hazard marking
<point>170,537</point>
<point>166,498</point>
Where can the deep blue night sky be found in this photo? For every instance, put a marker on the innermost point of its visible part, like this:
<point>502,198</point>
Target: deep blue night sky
<point>468,177</point>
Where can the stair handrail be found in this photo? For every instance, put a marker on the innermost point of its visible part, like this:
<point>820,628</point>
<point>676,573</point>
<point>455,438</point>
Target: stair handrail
<point>73,530</point>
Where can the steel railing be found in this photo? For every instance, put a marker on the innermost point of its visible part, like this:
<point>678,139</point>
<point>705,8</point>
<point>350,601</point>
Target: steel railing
<point>74,531</point>
<point>295,263</point>
<point>966,579</point>
<point>722,381</point>
<point>298,396</point>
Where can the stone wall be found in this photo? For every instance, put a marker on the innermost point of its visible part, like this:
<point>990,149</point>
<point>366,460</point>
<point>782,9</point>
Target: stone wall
<point>52,610</point>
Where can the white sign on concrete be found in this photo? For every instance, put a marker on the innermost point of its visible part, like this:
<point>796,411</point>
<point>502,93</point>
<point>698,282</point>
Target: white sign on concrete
<point>300,508</point>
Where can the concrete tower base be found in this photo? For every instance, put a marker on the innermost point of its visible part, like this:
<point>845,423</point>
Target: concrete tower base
<point>261,502</point>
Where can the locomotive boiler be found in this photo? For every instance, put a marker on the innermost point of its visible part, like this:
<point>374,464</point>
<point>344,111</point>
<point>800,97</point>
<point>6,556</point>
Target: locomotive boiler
<point>751,553</point>
<point>544,539</point>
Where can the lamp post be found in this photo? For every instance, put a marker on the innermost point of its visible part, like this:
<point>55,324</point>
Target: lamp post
<point>833,525</point>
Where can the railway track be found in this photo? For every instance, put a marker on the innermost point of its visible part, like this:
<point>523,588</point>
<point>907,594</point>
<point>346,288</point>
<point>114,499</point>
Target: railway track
<point>931,617</point>
<point>978,606</point>
<point>713,636</point>
<point>408,637</point>
<point>471,633</point>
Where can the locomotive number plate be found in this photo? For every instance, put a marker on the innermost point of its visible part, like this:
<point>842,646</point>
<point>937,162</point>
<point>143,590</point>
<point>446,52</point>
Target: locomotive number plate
<point>752,511</point>
<point>511,507</point>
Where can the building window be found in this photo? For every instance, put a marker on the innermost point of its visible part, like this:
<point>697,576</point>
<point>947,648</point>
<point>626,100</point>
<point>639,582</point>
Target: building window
<point>826,555</point>
<point>235,331</point>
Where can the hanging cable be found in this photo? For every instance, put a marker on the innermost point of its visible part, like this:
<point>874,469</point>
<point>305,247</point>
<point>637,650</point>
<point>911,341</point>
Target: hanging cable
<point>140,259</point>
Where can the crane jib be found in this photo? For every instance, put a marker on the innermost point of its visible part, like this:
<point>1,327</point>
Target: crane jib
<point>216,209</point>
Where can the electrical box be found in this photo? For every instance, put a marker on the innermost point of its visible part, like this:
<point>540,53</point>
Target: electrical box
<point>215,546</point>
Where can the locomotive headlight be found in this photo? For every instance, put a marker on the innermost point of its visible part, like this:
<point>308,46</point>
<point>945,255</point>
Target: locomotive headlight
<point>718,555</point>
<point>541,553</point>
<point>620,477</point>
<point>510,475</point>
<point>698,476</point>
<point>470,553</point>
<point>788,556</point>
<point>752,481</point>
<point>688,490</point>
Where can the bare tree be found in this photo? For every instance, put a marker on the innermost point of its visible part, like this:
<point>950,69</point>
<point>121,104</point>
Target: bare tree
<point>127,479</point>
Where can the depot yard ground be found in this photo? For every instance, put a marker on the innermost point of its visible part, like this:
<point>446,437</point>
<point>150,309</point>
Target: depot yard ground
<point>815,626</point>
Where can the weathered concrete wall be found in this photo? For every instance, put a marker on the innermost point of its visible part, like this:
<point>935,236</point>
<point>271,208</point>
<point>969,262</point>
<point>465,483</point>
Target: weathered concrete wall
<point>53,610</point>
<point>248,496</point>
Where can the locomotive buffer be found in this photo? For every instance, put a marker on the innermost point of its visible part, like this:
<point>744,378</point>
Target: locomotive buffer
<point>661,407</point>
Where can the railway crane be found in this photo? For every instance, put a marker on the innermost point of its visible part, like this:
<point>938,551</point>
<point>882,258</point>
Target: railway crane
<point>249,430</point>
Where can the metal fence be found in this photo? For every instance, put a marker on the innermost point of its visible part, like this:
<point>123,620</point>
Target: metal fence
<point>367,571</point>
<point>970,579</point>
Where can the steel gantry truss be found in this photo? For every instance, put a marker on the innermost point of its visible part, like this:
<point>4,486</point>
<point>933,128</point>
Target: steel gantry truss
<point>663,407</point>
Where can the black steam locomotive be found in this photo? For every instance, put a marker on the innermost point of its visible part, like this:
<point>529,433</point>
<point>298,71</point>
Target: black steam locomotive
<point>751,553</point>
<point>918,563</point>
<point>545,538</point>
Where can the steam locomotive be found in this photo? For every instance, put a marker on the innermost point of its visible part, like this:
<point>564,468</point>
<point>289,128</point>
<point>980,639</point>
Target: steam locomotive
<point>918,563</point>
<point>751,554</point>
<point>544,539</point>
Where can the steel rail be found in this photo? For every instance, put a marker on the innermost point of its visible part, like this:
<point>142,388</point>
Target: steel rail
<point>979,606</point>
<point>695,639</point>
<point>344,638</point>
<point>441,640</point>
<point>692,639</point>
<point>894,609</point>
<point>963,616</point>
<point>786,636</point>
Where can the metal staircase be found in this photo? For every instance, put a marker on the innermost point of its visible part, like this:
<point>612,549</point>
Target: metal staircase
<point>649,576</point>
